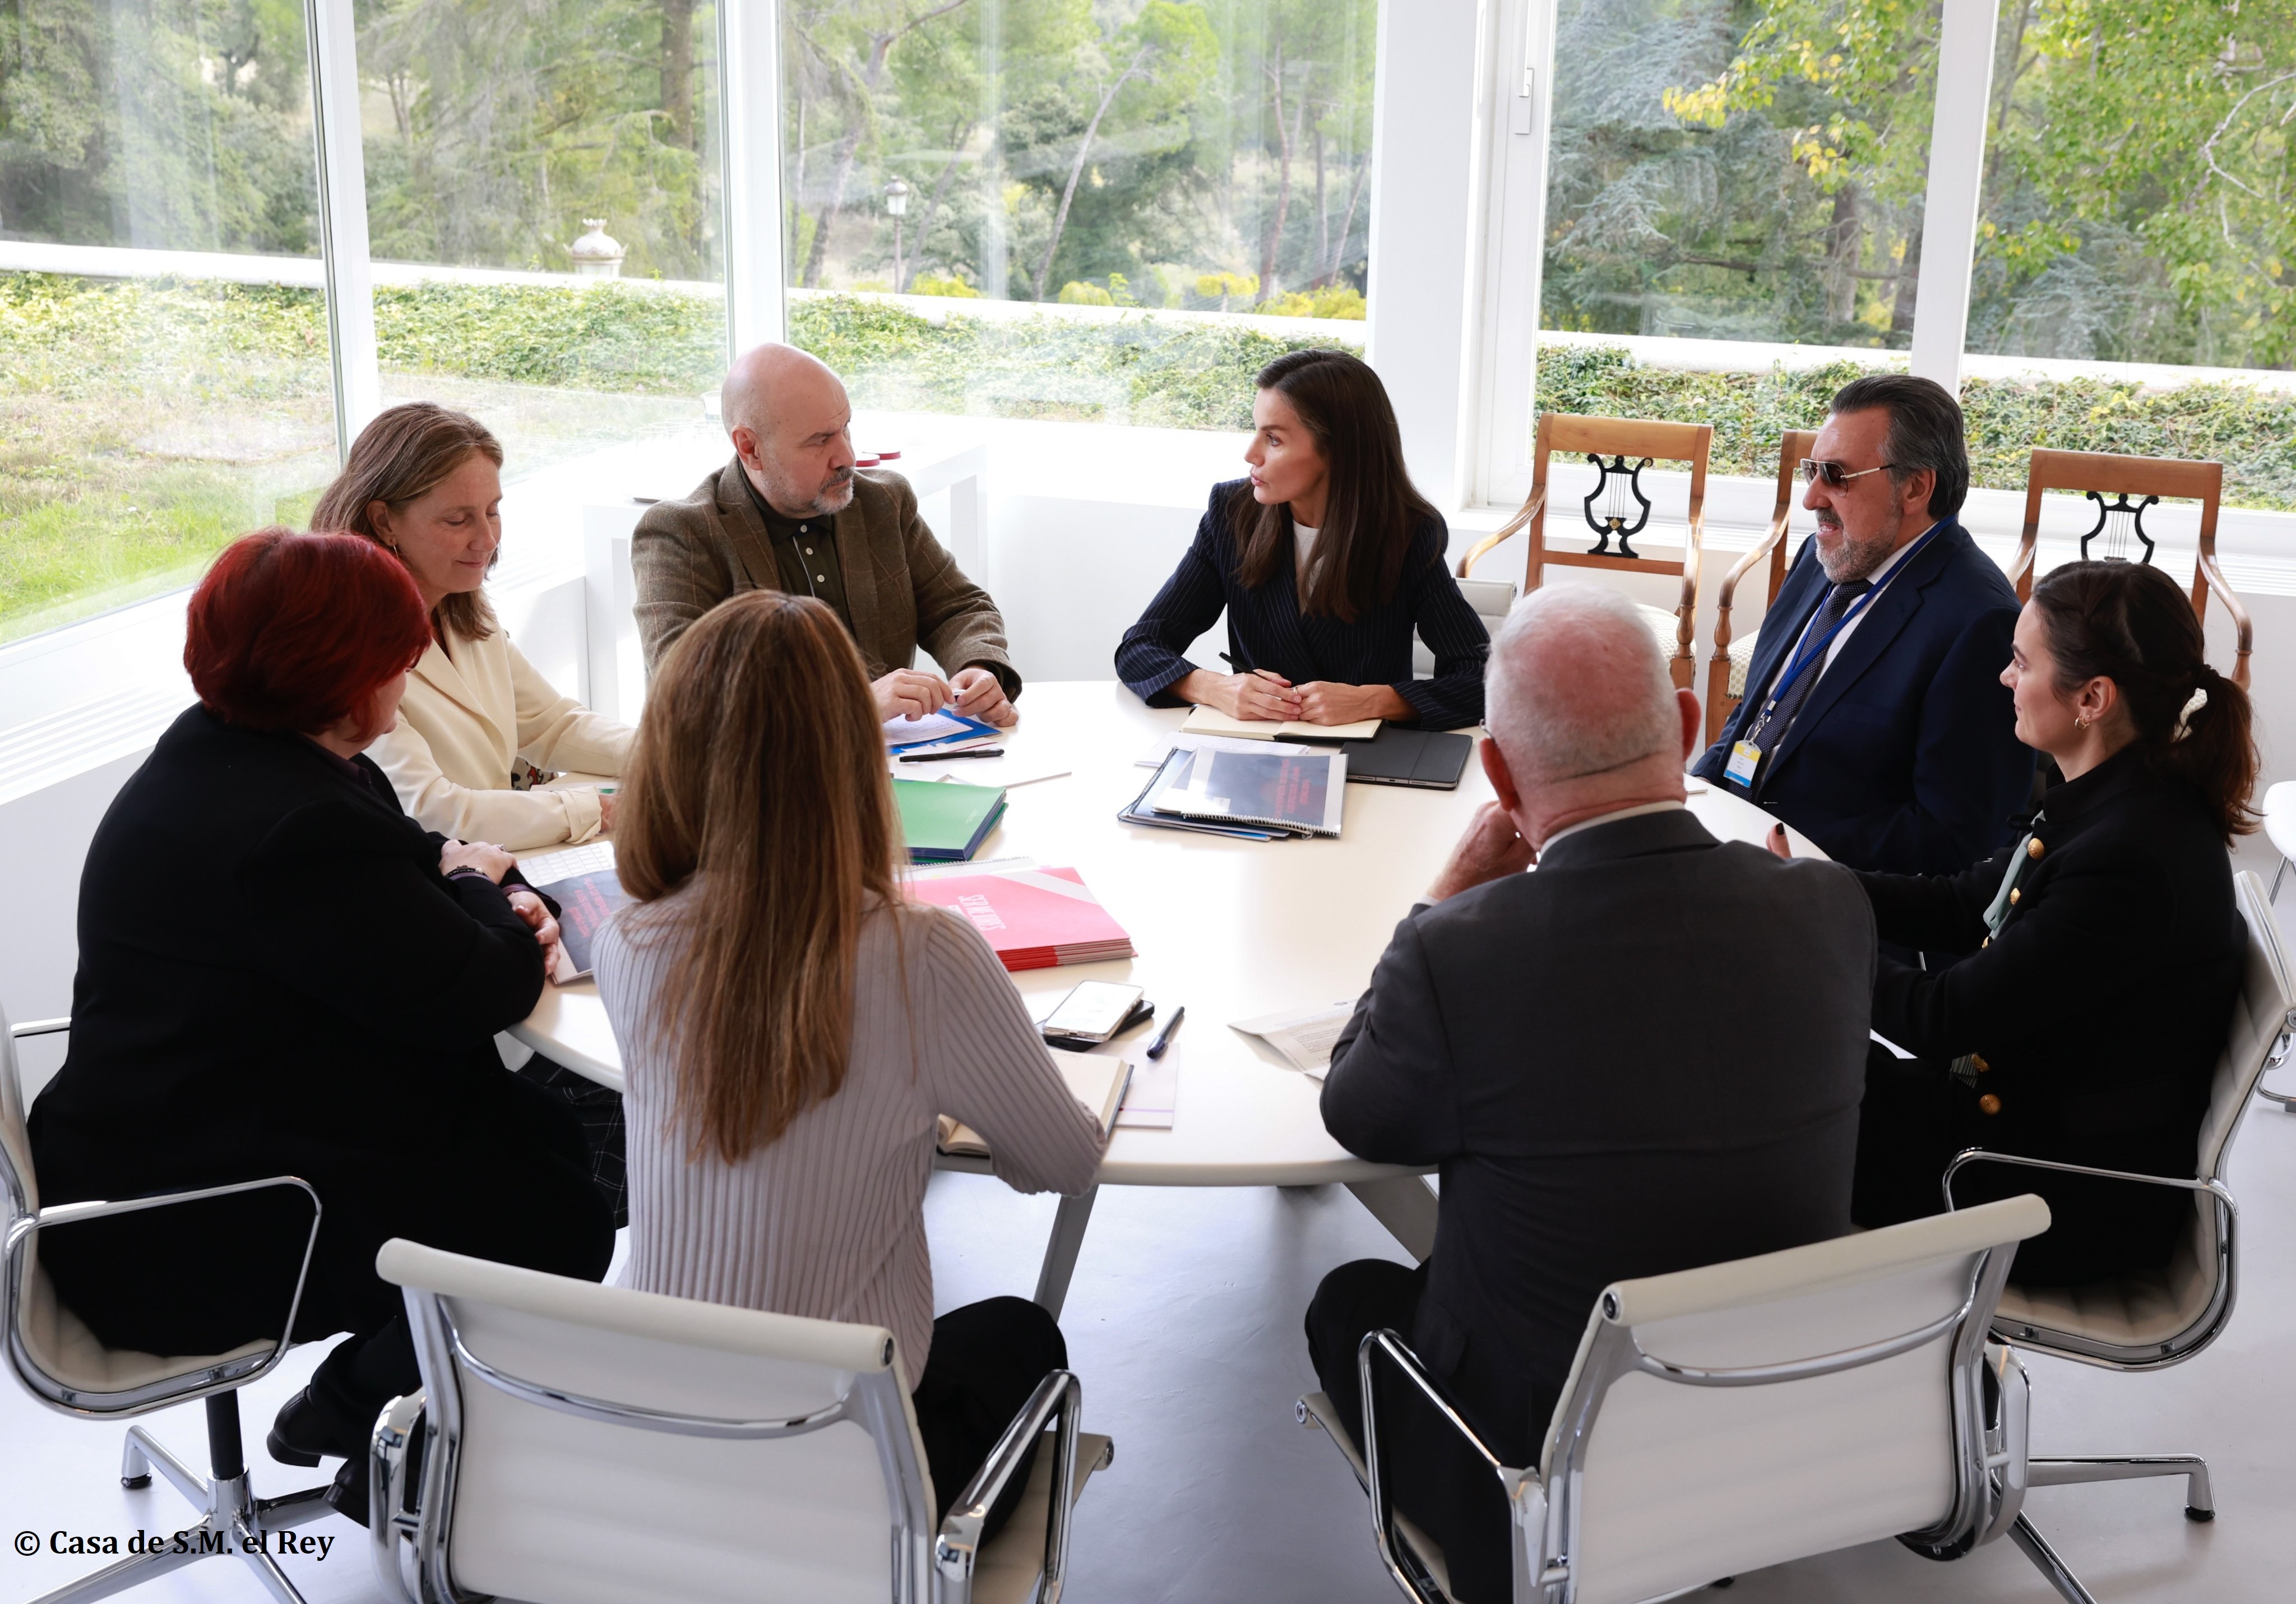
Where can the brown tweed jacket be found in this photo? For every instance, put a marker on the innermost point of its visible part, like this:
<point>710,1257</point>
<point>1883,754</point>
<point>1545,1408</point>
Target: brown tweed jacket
<point>901,586</point>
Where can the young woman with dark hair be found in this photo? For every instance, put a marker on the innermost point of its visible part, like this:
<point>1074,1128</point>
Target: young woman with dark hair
<point>2100,954</point>
<point>281,973</point>
<point>792,1028</point>
<point>1326,561</point>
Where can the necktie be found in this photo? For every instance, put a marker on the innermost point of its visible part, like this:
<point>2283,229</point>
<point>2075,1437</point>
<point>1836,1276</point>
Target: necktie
<point>1778,719</point>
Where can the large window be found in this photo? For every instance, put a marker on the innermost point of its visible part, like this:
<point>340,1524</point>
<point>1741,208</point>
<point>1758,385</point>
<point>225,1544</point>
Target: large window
<point>152,406</point>
<point>1063,208</point>
<point>1758,170</point>
<point>543,212</point>
<point>1738,169</point>
<point>2140,184</point>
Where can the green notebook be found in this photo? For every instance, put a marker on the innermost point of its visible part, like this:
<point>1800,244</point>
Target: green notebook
<point>944,821</point>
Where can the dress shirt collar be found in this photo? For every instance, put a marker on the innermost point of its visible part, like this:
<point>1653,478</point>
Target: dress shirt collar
<point>1602,818</point>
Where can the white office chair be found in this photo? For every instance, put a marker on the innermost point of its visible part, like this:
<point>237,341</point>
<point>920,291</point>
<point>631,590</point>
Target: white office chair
<point>2159,1318</point>
<point>2280,829</point>
<point>1749,1413</point>
<point>590,1444</point>
<point>67,1367</point>
<point>1491,599</point>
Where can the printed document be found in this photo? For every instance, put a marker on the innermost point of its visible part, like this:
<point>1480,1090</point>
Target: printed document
<point>1304,1036</point>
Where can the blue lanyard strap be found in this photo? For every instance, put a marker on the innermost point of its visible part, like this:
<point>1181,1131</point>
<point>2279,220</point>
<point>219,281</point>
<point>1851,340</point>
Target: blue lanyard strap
<point>1815,650</point>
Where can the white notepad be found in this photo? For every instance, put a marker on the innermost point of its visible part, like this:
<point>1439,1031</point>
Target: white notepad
<point>1095,1080</point>
<point>1210,722</point>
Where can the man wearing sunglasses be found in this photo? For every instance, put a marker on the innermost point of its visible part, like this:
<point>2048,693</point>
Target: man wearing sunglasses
<point>1874,720</point>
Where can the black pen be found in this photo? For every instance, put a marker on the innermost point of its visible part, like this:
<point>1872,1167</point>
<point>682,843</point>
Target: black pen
<point>950,757</point>
<point>1164,1037</point>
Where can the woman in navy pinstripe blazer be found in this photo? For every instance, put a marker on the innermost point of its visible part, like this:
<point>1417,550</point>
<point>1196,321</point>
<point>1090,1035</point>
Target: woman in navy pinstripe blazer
<point>1326,562</point>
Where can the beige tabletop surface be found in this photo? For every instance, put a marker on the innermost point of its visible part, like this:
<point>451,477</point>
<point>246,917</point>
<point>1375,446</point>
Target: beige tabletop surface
<point>1230,929</point>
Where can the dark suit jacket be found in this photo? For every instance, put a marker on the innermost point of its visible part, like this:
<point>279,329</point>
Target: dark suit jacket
<point>901,586</point>
<point>1905,758</point>
<point>274,979</point>
<point>1644,1055</point>
<point>1266,630</point>
<point>2099,1011</point>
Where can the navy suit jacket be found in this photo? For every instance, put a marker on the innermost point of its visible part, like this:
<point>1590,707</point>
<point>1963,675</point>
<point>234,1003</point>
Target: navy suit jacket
<point>1266,629</point>
<point>1904,759</point>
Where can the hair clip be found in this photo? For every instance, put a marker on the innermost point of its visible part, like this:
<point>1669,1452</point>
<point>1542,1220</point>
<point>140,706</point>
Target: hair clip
<point>2198,700</point>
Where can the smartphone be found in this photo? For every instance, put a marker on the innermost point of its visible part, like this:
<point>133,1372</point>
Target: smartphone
<point>1094,1011</point>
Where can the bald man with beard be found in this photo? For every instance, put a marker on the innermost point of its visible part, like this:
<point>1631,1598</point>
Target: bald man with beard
<point>791,513</point>
<point>1644,1055</point>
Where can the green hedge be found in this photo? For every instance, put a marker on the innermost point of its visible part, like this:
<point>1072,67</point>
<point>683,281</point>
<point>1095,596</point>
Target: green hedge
<point>2251,432</point>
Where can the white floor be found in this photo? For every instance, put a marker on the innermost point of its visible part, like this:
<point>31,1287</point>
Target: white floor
<point>1184,1321</point>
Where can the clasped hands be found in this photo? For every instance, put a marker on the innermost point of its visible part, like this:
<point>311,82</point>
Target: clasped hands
<point>493,863</point>
<point>1264,694</point>
<point>973,692</point>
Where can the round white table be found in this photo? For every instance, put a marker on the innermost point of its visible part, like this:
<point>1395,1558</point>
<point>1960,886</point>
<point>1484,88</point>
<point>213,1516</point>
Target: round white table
<point>1228,928</point>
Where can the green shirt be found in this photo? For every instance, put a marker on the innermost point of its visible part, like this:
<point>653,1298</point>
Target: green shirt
<point>805,554</point>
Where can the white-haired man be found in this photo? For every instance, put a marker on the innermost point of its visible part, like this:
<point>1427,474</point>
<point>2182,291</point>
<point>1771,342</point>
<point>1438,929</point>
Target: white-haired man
<point>790,513</point>
<point>1645,1056</point>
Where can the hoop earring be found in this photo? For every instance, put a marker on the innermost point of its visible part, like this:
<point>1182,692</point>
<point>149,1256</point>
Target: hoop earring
<point>2080,722</point>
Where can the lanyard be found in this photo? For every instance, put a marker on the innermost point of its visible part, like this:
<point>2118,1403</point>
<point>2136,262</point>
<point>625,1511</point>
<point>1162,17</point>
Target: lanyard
<point>1815,652</point>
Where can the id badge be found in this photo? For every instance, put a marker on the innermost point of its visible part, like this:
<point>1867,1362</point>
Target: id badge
<point>1745,757</point>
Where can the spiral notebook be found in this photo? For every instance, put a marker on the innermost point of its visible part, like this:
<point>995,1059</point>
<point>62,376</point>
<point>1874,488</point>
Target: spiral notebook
<point>1304,792</point>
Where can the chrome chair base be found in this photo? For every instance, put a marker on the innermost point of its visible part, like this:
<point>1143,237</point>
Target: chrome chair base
<point>2199,1502</point>
<point>233,1522</point>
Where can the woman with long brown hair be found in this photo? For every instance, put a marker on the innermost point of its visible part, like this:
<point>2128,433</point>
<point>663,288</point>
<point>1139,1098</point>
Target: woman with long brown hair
<point>480,728</point>
<point>480,724</point>
<point>2099,956</point>
<point>792,1028</point>
<point>1326,561</point>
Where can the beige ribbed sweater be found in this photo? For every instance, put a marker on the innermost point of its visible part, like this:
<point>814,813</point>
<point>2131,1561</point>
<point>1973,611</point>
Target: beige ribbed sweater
<point>829,1221</point>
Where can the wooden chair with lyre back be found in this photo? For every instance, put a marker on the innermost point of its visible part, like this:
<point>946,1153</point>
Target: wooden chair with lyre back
<point>1734,657</point>
<point>2119,532</point>
<point>1617,512</point>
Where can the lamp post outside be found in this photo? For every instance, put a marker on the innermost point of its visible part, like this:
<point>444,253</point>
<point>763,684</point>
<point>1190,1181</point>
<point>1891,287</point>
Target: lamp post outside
<point>896,204</point>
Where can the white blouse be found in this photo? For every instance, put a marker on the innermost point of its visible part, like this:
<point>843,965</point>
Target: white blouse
<point>467,719</point>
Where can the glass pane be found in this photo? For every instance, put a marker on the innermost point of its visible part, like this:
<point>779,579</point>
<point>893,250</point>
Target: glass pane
<point>544,209</point>
<point>1750,170</point>
<point>165,383</point>
<point>2138,209</point>
<point>1069,209</point>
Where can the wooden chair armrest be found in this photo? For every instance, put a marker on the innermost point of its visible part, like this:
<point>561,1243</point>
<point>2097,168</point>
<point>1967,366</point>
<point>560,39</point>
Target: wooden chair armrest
<point>2243,631</point>
<point>2021,567</point>
<point>1530,509</point>
<point>1693,549</point>
<point>1744,565</point>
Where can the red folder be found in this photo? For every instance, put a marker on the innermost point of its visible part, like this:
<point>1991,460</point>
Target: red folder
<point>1034,919</point>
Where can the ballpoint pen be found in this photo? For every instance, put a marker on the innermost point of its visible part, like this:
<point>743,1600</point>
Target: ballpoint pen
<point>1164,1037</point>
<point>950,757</point>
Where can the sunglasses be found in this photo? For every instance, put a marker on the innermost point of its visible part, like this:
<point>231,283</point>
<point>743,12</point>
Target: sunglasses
<point>1833,474</point>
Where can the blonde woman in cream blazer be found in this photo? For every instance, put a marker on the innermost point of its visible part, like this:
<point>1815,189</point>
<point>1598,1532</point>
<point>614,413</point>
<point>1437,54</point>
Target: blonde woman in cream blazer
<point>470,714</point>
<point>425,484</point>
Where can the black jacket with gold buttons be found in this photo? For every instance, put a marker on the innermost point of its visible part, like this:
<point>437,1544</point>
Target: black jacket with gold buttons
<point>2095,1019</point>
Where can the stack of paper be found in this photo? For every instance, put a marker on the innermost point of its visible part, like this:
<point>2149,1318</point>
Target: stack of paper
<point>1034,919</point>
<point>941,731</point>
<point>1304,1036</point>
